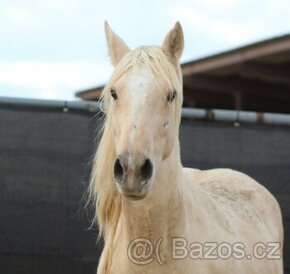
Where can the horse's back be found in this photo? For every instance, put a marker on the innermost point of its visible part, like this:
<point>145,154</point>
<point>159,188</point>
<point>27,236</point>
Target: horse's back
<point>242,195</point>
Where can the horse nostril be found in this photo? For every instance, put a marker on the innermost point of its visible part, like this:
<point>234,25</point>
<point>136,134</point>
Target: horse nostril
<point>146,170</point>
<point>118,170</point>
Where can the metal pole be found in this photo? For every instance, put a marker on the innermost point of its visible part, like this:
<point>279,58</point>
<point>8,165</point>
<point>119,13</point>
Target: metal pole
<point>252,117</point>
<point>90,106</point>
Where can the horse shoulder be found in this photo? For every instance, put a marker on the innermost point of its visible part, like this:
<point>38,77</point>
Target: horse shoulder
<point>241,195</point>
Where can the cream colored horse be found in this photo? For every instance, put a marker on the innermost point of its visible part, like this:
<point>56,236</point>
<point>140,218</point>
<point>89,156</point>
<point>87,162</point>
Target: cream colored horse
<point>155,215</point>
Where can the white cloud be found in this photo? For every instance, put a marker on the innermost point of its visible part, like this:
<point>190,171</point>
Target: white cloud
<point>17,14</point>
<point>214,26</point>
<point>214,4</point>
<point>52,79</point>
<point>58,5</point>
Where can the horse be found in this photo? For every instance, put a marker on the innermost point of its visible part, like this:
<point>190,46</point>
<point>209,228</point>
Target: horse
<point>155,215</point>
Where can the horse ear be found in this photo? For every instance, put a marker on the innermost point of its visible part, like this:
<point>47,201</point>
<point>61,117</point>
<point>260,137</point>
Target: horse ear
<point>117,47</point>
<point>174,42</point>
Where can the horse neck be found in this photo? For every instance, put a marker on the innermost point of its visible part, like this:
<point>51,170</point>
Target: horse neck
<point>157,214</point>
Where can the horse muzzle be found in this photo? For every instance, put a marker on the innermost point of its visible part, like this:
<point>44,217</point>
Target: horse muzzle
<point>133,173</point>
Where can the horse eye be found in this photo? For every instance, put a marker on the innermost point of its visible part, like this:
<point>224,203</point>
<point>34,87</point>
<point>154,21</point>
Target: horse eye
<point>171,96</point>
<point>114,94</point>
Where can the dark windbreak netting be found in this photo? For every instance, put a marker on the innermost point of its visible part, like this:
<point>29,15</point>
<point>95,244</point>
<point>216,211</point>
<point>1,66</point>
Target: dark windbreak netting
<point>45,157</point>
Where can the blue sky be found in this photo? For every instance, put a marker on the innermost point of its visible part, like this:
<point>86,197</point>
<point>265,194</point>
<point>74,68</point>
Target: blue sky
<point>52,48</point>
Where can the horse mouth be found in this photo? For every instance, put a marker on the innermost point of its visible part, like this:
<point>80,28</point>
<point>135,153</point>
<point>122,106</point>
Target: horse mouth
<point>135,197</point>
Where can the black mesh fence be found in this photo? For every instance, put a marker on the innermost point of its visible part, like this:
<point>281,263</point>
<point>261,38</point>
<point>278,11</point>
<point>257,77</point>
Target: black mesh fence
<point>45,157</point>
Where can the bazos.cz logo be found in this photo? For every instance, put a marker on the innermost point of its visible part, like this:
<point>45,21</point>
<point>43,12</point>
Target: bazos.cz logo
<point>181,249</point>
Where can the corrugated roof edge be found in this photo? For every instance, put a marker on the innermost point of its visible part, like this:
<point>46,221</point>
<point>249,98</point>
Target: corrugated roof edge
<point>238,49</point>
